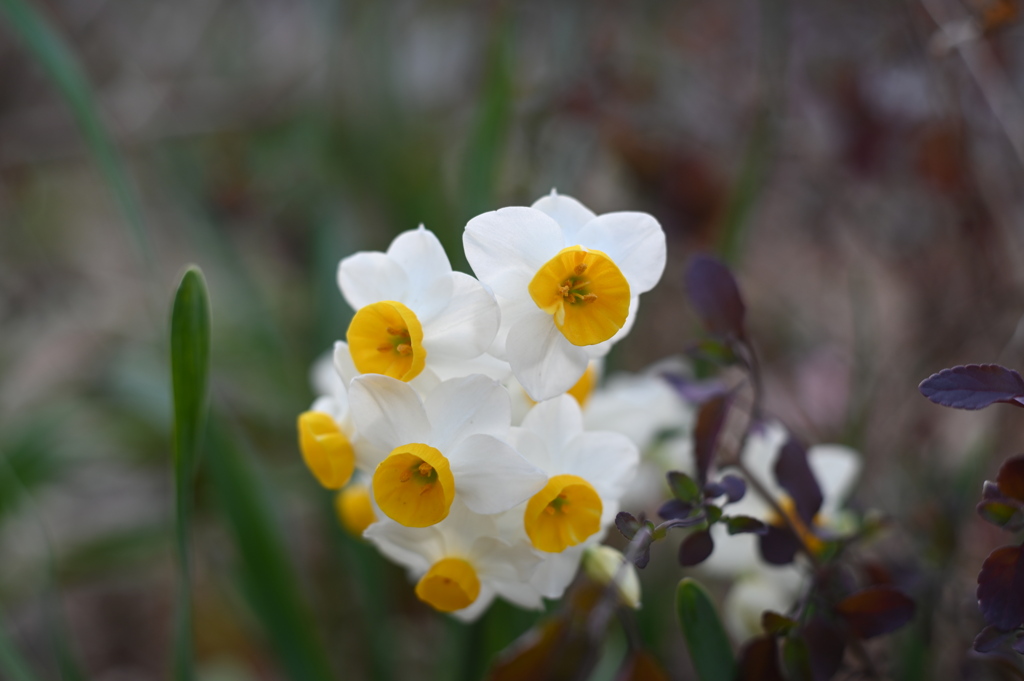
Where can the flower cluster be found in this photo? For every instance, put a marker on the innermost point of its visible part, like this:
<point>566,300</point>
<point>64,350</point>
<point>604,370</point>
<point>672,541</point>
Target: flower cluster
<point>450,416</point>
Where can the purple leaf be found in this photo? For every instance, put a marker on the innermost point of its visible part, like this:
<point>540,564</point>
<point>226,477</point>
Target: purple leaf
<point>673,509</point>
<point>1001,588</point>
<point>876,610</point>
<point>710,420</point>
<point>627,524</point>
<point>643,552</point>
<point>1010,478</point>
<point>1018,645</point>
<point>695,549</point>
<point>715,296</point>
<point>793,473</point>
<point>694,391</point>
<point>778,545</point>
<point>974,386</point>
<point>990,638</point>
<point>735,488</point>
<point>826,646</point>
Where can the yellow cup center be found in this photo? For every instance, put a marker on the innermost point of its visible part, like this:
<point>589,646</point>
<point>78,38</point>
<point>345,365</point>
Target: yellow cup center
<point>354,509</point>
<point>451,584</point>
<point>563,514</point>
<point>414,486</point>
<point>325,449</point>
<point>585,292</point>
<point>387,338</point>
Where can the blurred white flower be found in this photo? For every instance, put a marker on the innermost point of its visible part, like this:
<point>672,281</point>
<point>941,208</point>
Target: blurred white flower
<point>567,282</point>
<point>450,444</point>
<point>760,586</point>
<point>415,317</point>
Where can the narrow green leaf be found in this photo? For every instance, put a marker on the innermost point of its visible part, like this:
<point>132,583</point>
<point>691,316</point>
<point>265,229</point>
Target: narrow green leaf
<point>705,638</point>
<point>63,69</point>
<point>12,665</point>
<point>268,579</point>
<point>190,362</point>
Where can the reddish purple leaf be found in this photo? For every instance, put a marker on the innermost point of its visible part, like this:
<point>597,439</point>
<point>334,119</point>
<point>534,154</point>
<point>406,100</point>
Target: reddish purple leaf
<point>793,473</point>
<point>1009,516</point>
<point>1001,588</point>
<point>778,545</point>
<point>759,660</point>
<point>695,549</point>
<point>974,386</point>
<point>710,420</point>
<point>826,646</point>
<point>1010,478</point>
<point>876,610</point>
<point>715,296</point>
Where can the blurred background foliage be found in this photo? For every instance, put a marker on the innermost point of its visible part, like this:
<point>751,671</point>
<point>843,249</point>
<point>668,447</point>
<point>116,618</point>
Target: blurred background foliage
<point>859,164</point>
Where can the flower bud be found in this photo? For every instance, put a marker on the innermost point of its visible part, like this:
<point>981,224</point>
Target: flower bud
<point>604,565</point>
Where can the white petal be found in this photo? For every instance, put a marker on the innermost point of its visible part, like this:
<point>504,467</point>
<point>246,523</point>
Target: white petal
<point>467,406</point>
<point>413,548</point>
<point>343,363</point>
<point>466,326</point>
<point>497,560</point>
<point>557,422</point>
<point>543,361</point>
<point>836,468</point>
<point>506,247</point>
<point>387,412</point>
<point>447,368</point>
<point>634,241</point>
<point>512,311</point>
<point>556,571</point>
<point>759,456</point>
<point>519,593</point>
<point>369,277</point>
<point>606,460</point>
<point>419,253</point>
<point>569,213</point>
<point>491,477</point>
<point>533,448</point>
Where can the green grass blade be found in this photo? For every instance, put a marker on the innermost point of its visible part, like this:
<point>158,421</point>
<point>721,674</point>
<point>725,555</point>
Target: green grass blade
<point>190,361</point>
<point>12,665</point>
<point>62,67</point>
<point>268,578</point>
<point>483,156</point>
<point>705,638</point>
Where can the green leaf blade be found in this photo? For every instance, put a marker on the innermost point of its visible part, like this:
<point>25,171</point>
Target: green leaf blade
<point>190,365</point>
<point>705,637</point>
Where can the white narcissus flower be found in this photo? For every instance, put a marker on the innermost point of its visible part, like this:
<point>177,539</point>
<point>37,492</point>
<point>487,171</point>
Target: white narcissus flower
<point>587,474</point>
<point>415,317</point>
<point>568,283</point>
<point>760,586</point>
<point>328,439</point>
<point>459,564</point>
<point>449,445</point>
